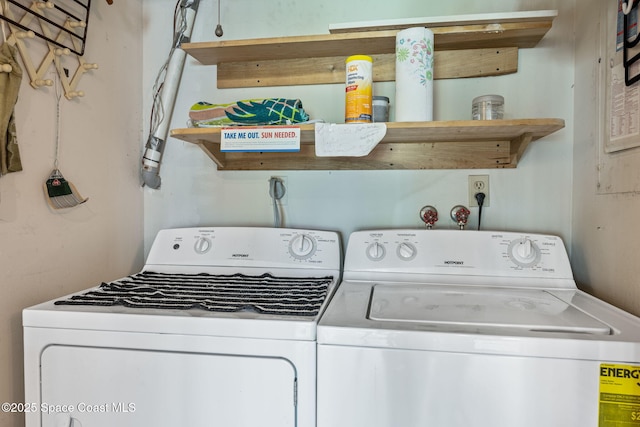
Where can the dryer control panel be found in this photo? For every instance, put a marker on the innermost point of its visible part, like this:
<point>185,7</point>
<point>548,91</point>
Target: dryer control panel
<point>246,247</point>
<point>458,252</point>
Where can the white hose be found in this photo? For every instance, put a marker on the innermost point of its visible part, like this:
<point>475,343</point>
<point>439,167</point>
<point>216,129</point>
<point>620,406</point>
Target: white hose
<point>277,191</point>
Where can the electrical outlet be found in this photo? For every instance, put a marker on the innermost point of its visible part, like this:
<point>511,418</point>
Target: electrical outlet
<point>478,184</point>
<point>285,184</point>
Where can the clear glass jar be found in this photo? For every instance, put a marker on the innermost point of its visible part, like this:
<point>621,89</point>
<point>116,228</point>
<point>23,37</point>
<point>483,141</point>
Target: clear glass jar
<point>488,107</point>
<point>380,109</point>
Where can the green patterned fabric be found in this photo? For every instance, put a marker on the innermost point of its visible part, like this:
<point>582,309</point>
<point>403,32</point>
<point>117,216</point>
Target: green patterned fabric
<point>251,112</point>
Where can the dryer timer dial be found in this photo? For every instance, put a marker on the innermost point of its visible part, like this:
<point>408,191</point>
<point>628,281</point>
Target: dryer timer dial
<point>302,246</point>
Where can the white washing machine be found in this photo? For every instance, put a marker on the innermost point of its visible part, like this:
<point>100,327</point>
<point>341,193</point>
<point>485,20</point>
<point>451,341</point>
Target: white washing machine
<point>453,328</point>
<point>218,329</point>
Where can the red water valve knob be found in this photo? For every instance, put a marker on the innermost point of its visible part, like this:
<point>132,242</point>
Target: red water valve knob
<point>460,214</point>
<point>429,215</point>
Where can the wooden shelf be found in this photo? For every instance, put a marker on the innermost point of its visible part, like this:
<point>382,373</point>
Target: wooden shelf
<point>470,47</point>
<point>487,48</point>
<point>524,34</point>
<point>471,144</point>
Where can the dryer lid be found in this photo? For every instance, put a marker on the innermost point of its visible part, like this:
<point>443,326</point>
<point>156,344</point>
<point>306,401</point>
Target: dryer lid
<point>473,308</point>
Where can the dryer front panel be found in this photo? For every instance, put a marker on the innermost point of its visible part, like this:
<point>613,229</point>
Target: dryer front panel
<point>105,387</point>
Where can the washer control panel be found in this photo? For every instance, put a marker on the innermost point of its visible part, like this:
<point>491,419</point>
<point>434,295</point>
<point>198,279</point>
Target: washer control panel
<point>463,252</point>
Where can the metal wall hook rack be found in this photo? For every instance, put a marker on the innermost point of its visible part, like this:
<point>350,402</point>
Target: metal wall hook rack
<point>70,17</point>
<point>63,24</point>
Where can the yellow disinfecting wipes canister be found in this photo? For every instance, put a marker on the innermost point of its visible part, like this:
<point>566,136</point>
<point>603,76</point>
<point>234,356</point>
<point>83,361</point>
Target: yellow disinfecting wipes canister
<point>359,82</point>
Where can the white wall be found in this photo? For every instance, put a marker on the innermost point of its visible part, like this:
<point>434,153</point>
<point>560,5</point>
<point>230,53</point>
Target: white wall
<point>44,253</point>
<point>605,231</point>
<point>536,196</point>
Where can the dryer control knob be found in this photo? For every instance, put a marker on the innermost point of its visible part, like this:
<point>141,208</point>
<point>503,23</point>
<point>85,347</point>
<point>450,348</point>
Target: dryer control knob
<point>302,246</point>
<point>376,251</point>
<point>202,245</point>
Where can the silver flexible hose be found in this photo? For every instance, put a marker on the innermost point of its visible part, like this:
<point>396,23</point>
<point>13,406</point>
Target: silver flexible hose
<point>165,90</point>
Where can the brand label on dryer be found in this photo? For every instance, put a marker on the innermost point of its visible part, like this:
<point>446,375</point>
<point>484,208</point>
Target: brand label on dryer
<point>619,395</point>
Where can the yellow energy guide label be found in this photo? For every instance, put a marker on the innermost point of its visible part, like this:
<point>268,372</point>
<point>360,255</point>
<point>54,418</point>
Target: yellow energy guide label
<point>619,395</point>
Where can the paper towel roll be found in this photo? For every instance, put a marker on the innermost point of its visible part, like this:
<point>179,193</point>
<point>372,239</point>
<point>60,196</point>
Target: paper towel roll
<point>414,75</point>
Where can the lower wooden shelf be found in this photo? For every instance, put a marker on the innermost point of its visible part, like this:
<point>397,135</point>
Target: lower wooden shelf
<point>469,144</point>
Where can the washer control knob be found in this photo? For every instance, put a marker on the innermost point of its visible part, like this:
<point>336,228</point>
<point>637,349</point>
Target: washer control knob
<point>302,246</point>
<point>406,251</point>
<point>203,244</point>
<point>524,252</point>
<point>376,251</point>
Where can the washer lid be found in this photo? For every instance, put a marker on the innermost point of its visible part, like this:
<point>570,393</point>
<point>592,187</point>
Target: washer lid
<point>473,308</point>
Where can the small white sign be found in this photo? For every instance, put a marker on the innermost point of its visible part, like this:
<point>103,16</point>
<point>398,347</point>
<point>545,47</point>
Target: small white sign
<point>260,138</point>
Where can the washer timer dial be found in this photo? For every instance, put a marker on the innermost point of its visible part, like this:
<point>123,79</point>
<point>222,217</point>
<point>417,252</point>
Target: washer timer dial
<point>302,246</point>
<point>376,251</point>
<point>524,252</point>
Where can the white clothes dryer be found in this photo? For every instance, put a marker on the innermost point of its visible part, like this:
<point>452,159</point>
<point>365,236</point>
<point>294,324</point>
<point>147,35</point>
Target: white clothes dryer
<point>219,328</point>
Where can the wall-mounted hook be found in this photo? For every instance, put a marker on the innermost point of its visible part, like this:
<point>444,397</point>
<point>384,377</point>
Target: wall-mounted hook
<point>42,82</point>
<point>77,24</point>
<point>45,5</point>
<point>74,94</point>
<point>24,34</point>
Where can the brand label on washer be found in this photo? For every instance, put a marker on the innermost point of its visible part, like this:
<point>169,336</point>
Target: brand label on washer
<point>619,395</point>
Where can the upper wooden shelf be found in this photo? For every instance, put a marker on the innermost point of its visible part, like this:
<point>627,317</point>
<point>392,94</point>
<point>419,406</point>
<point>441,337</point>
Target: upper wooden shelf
<point>470,144</point>
<point>522,33</point>
<point>475,49</point>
